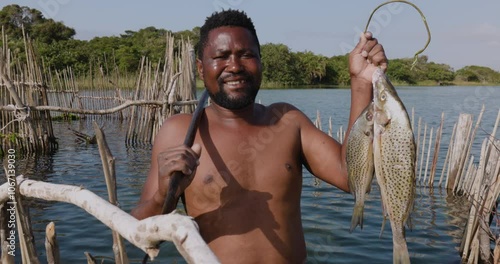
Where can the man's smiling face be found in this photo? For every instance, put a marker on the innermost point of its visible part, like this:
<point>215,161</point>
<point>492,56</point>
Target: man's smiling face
<point>231,68</point>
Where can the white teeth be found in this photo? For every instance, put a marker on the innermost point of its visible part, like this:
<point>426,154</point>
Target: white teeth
<point>235,82</point>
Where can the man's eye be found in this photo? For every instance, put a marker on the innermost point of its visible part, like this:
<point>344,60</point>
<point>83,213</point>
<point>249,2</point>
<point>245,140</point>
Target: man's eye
<point>219,57</point>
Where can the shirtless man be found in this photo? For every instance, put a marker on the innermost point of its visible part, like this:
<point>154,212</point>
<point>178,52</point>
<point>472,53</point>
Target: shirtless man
<point>244,173</point>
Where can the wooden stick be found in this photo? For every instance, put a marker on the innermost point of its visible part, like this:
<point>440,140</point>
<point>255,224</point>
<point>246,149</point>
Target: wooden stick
<point>145,234</point>
<point>470,139</point>
<point>173,193</point>
<point>108,166</point>
<point>422,153</point>
<point>330,127</point>
<point>446,159</point>
<point>23,223</point>
<point>417,146</point>
<point>428,155</point>
<point>463,187</point>
<point>436,151</point>
<point>4,234</point>
<point>90,258</point>
<point>51,245</point>
<point>458,153</point>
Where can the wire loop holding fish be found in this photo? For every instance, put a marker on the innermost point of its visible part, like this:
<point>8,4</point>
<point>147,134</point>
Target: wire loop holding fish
<point>415,57</point>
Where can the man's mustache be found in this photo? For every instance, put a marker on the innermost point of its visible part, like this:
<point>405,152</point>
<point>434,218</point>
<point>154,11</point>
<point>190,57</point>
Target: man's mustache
<point>232,76</point>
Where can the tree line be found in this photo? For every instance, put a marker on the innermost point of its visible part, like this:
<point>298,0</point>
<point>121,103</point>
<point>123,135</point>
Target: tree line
<point>57,47</point>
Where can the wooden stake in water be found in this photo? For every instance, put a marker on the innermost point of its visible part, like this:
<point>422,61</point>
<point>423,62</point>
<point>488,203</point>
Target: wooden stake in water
<point>417,146</point>
<point>436,151</point>
<point>448,154</point>
<point>51,245</point>
<point>457,156</point>
<point>422,153</point>
<point>428,155</point>
<point>108,165</point>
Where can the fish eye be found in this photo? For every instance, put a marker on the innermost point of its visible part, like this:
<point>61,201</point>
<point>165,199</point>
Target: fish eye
<point>383,96</point>
<point>369,116</point>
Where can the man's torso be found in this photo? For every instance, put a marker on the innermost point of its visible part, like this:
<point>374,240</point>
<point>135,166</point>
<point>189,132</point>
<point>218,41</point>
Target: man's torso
<point>246,192</point>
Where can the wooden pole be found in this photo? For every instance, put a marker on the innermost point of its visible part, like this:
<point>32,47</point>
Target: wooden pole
<point>23,224</point>
<point>470,141</point>
<point>446,163</point>
<point>458,153</point>
<point>4,234</point>
<point>422,155</point>
<point>417,146</point>
<point>428,155</point>
<point>108,166</point>
<point>436,151</point>
<point>51,245</point>
<point>90,258</point>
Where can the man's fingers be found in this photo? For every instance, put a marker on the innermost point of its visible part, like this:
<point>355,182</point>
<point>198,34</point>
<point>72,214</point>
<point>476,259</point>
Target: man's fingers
<point>175,165</point>
<point>368,35</point>
<point>383,66</point>
<point>359,47</point>
<point>197,149</point>
<point>183,159</point>
<point>377,56</point>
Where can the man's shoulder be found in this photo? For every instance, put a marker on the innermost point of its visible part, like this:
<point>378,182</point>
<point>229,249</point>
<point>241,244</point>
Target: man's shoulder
<point>177,120</point>
<point>174,127</point>
<point>286,113</point>
<point>282,107</point>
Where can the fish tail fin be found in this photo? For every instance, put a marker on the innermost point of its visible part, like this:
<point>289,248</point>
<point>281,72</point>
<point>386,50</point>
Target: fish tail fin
<point>357,217</point>
<point>409,223</point>
<point>383,225</point>
<point>400,252</point>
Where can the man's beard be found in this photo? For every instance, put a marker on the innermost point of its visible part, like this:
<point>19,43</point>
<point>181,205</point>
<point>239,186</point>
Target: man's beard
<point>223,99</point>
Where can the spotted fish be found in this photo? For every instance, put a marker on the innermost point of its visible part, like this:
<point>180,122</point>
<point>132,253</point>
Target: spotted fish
<point>359,159</point>
<point>394,159</point>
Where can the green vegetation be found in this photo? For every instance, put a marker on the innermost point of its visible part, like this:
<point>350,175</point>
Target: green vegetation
<point>59,50</point>
<point>11,137</point>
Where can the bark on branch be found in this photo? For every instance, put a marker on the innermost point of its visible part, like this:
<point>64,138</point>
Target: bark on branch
<point>145,234</point>
<point>127,103</point>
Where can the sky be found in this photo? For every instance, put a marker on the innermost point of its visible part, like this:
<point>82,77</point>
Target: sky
<point>464,32</point>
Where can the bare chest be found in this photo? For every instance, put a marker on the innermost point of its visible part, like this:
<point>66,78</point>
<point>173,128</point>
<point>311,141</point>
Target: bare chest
<point>236,166</point>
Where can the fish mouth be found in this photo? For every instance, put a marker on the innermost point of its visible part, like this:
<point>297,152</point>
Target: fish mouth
<point>378,74</point>
<point>379,78</point>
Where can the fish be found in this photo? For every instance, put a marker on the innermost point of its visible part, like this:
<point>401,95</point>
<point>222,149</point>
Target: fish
<point>394,160</point>
<point>359,158</point>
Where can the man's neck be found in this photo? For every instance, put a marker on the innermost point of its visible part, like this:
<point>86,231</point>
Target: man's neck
<point>248,114</point>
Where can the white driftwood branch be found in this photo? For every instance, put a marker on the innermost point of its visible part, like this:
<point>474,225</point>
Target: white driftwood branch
<point>127,103</point>
<point>145,234</point>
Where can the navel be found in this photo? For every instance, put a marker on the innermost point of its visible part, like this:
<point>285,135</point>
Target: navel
<point>288,167</point>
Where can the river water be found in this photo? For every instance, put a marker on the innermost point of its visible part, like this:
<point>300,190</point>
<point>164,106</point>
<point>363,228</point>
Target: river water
<point>438,219</point>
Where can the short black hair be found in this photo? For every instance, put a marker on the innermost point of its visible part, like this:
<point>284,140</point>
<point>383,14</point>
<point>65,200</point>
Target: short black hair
<point>225,18</point>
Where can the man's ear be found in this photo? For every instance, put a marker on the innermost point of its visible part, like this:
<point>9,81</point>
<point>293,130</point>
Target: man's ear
<point>199,67</point>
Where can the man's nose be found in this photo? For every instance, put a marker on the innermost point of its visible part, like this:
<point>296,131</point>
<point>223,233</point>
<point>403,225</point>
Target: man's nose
<point>234,64</point>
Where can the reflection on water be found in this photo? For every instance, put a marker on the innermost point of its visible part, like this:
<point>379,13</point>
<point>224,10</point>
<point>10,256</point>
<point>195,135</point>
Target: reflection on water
<point>438,220</point>
<point>437,226</point>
